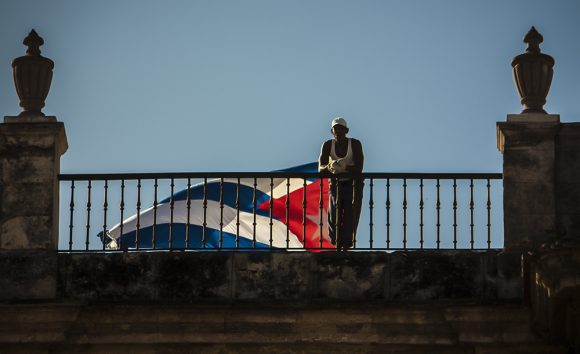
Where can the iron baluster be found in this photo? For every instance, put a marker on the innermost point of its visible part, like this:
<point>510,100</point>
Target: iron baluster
<point>352,211</point>
<point>438,207</point>
<point>488,214</point>
<point>221,234</point>
<point>87,242</point>
<point>188,225</point>
<point>238,214</point>
<point>105,207</point>
<point>203,232</point>
<point>171,207</point>
<point>321,206</point>
<point>371,205</point>
<point>388,206</point>
<point>404,213</point>
<point>72,209</point>
<point>287,212</point>
<point>421,204</point>
<point>471,206</point>
<point>337,213</point>
<point>254,209</point>
<point>304,212</point>
<point>154,235</point>
<point>271,211</point>
<point>454,213</point>
<point>138,225</point>
<point>122,209</point>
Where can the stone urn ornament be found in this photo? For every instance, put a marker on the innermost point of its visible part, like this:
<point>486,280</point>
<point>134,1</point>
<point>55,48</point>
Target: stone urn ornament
<point>533,72</point>
<point>32,76</point>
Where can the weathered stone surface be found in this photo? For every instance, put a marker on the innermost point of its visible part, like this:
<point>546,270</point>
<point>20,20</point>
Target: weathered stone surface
<point>568,209</point>
<point>502,276</point>
<point>568,194</point>
<point>529,173</point>
<point>30,151</point>
<point>414,276</point>
<point>145,276</point>
<point>26,232</point>
<point>526,134</point>
<point>265,327</point>
<point>27,199</point>
<point>568,153</point>
<point>286,348</point>
<point>102,277</point>
<point>33,135</point>
<point>30,119</point>
<point>530,198</point>
<point>533,118</point>
<point>568,181</point>
<point>422,276</point>
<point>530,165</point>
<point>28,275</point>
<point>535,229</point>
<point>541,184</point>
<point>193,276</point>
<point>350,275</point>
<point>29,169</point>
<point>271,276</point>
<point>569,225</point>
<point>555,291</point>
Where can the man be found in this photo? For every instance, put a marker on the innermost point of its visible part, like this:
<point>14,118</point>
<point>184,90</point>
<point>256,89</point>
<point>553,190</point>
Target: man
<point>343,156</point>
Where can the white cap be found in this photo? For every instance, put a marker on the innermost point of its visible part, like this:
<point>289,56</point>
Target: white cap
<point>340,121</point>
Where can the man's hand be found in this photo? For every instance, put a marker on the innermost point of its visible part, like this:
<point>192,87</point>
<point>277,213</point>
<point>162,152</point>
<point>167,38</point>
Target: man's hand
<point>336,166</point>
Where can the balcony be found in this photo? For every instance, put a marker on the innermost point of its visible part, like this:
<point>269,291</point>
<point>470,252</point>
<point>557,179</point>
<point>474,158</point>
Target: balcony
<point>276,211</point>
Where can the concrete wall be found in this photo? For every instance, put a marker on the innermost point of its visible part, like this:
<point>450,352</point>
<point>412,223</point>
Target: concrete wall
<point>398,276</point>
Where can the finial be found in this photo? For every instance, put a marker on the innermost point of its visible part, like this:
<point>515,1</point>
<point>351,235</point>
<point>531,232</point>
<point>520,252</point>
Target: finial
<point>32,76</point>
<point>533,39</point>
<point>33,41</point>
<point>533,72</point>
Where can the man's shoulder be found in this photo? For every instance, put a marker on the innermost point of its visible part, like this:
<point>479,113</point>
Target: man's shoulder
<point>327,143</point>
<point>356,141</point>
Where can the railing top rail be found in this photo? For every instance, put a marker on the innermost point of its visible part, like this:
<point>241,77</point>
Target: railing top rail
<point>366,175</point>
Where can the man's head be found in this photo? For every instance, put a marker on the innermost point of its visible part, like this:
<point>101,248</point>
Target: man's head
<point>339,128</point>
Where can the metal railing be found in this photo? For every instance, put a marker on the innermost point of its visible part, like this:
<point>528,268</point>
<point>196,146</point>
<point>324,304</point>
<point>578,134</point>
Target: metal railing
<point>275,211</point>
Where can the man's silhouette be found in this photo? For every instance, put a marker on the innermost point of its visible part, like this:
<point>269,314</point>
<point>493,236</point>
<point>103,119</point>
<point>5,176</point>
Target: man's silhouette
<point>343,155</point>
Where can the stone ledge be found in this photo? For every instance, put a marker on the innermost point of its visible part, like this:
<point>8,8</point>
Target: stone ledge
<point>278,326</point>
<point>398,276</point>
<point>533,118</point>
<point>29,119</point>
<point>283,348</point>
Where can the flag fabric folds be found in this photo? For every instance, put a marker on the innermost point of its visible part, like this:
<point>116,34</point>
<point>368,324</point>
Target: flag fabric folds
<point>227,214</point>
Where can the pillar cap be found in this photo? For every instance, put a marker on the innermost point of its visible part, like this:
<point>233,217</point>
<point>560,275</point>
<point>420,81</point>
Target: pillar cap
<point>30,119</point>
<point>533,118</point>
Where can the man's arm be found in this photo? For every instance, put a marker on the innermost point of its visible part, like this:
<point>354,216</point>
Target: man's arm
<point>358,157</point>
<point>323,158</point>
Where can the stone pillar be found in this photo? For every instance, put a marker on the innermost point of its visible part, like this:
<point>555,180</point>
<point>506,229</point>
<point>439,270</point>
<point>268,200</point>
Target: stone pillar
<point>528,144</point>
<point>30,154</point>
<point>31,145</point>
<point>542,199</point>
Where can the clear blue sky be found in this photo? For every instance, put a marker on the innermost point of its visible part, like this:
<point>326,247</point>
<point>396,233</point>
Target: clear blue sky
<point>145,86</point>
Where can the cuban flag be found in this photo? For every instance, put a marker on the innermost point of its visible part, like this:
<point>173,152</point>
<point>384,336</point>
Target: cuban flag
<point>232,213</point>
